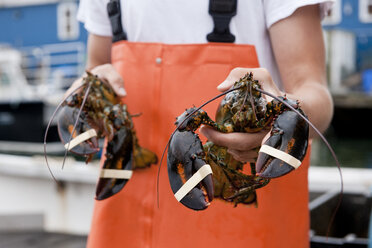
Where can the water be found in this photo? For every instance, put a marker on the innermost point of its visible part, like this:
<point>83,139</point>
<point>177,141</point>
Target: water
<point>355,152</point>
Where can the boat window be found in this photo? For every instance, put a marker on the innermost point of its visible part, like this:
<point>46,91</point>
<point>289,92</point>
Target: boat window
<point>334,15</point>
<point>4,78</point>
<point>365,11</point>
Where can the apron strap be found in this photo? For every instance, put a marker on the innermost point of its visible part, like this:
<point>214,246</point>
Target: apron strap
<point>114,12</point>
<point>222,11</point>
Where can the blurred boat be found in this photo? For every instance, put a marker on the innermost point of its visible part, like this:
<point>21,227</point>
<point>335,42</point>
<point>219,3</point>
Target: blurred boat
<point>32,83</point>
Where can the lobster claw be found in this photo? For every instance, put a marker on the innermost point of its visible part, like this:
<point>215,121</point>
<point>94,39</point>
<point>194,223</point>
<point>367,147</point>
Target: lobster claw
<point>185,154</point>
<point>119,156</point>
<point>66,123</point>
<point>290,135</point>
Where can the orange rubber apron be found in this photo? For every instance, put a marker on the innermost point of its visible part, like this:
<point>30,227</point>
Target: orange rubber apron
<point>161,81</point>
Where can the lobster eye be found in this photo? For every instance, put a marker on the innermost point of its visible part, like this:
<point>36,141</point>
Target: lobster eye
<point>193,156</point>
<point>200,153</point>
<point>118,123</point>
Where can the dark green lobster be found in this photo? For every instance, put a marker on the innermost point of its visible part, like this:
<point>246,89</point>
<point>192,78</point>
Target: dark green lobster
<point>97,107</point>
<point>243,109</point>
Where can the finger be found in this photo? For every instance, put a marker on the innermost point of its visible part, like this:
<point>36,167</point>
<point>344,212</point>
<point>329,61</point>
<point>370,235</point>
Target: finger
<point>267,136</point>
<point>76,84</point>
<point>233,76</point>
<point>236,141</point>
<point>260,74</point>
<point>264,78</point>
<point>244,156</point>
<point>116,82</point>
<point>109,74</point>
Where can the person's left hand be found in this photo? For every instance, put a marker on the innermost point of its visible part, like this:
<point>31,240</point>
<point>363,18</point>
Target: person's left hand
<point>242,146</point>
<point>108,74</point>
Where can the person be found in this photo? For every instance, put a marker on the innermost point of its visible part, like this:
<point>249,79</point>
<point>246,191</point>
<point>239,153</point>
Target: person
<point>165,63</point>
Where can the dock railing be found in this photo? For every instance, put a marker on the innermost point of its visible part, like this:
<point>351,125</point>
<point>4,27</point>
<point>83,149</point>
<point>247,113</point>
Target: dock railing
<point>53,65</point>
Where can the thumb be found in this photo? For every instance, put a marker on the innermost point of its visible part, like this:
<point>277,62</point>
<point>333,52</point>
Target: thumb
<point>206,131</point>
<point>110,75</point>
<point>234,75</point>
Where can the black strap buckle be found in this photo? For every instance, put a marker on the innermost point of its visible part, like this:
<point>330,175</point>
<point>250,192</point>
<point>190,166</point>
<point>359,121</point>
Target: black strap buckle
<point>222,11</point>
<point>114,12</point>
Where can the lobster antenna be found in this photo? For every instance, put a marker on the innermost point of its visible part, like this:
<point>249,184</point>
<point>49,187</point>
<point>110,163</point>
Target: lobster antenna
<point>48,126</point>
<point>252,101</point>
<point>244,100</point>
<point>328,146</point>
<point>170,138</point>
<point>76,122</point>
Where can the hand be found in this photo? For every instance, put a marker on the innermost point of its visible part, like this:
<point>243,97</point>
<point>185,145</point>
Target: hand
<point>260,74</point>
<point>108,74</point>
<point>242,146</point>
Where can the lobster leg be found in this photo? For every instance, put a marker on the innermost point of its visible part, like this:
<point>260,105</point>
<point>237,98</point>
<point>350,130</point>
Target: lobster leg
<point>185,157</point>
<point>290,135</point>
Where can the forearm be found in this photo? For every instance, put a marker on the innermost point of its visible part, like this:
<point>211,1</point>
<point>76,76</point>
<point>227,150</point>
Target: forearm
<point>298,47</point>
<point>316,102</point>
<point>99,63</point>
<point>99,51</point>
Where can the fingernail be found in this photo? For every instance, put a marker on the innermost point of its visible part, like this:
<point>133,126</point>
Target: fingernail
<point>201,128</point>
<point>223,85</point>
<point>204,131</point>
<point>122,91</point>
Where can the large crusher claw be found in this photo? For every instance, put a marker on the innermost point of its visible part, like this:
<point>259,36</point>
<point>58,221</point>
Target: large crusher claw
<point>185,159</point>
<point>119,156</point>
<point>119,151</point>
<point>286,147</point>
<point>66,123</point>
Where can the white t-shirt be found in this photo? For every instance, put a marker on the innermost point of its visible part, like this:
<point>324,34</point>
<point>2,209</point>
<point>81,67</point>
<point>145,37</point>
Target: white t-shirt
<point>188,21</point>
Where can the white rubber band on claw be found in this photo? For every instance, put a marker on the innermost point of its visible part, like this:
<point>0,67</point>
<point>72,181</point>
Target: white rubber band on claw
<point>204,171</point>
<point>289,159</point>
<point>81,138</point>
<point>118,174</point>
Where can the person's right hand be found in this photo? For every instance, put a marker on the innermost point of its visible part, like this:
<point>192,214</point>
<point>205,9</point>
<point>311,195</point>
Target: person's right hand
<point>109,75</point>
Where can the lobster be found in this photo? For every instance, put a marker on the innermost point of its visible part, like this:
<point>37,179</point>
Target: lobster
<point>96,109</point>
<point>199,173</point>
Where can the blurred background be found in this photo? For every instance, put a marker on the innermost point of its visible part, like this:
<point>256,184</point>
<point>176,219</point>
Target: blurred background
<point>42,51</point>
